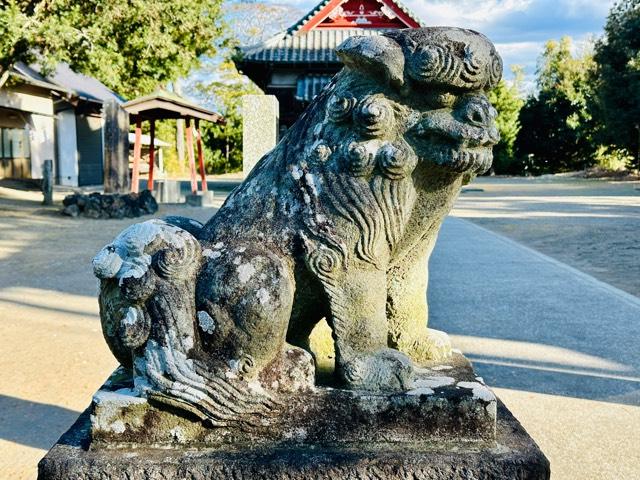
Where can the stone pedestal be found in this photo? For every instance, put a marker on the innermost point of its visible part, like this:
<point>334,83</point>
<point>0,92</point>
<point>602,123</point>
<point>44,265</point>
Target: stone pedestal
<point>168,191</point>
<point>260,119</point>
<point>200,199</point>
<point>450,425</point>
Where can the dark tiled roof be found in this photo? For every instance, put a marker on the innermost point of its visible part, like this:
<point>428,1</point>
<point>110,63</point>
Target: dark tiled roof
<point>65,80</point>
<point>315,10</point>
<point>315,46</point>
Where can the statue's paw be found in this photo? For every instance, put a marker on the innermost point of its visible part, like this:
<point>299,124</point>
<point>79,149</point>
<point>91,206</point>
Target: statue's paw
<point>385,370</point>
<point>431,345</point>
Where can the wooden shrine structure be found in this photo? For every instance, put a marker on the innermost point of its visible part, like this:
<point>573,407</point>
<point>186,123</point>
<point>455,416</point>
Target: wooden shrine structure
<point>162,105</point>
<point>296,64</point>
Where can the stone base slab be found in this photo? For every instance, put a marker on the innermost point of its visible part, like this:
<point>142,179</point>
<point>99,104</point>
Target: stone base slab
<point>447,403</point>
<point>513,456</point>
<point>200,199</point>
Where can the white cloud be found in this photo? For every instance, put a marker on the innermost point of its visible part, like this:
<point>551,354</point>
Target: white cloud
<point>466,13</point>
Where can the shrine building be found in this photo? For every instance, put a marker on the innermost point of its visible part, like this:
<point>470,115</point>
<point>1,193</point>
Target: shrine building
<point>296,64</point>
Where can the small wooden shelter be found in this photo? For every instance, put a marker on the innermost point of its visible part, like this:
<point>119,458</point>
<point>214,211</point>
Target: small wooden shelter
<point>162,105</point>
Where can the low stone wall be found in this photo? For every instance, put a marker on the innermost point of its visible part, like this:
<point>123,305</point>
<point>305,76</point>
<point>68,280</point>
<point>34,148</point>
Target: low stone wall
<point>112,205</point>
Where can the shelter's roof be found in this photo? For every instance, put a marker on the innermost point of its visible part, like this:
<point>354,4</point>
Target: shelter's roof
<point>66,81</point>
<point>162,104</point>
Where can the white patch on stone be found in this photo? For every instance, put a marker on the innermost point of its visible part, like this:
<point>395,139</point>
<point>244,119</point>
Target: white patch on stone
<point>274,191</point>
<point>296,173</point>
<point>479,391</point>
<point>480,379</point>
<point>442,367</point>
<point>310,180</point>
<point>131,318</point>
<point>118,426</point>
<point>127,252</point>
<point>218,245</point>
<point>263,296</point>
<point>241,249</point>
<point>211,254</point>
<point>421,391</point>
<point>237,260</point>
<point>178,434</point>
<point>194,223</point>
<point>256,387</point>
<point>207,324</point>
<point>307,198</point>
<point>434,382</point>
<point>245,272</point>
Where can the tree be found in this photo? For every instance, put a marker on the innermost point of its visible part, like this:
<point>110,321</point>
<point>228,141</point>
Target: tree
<point>218,83</point>
<point>558,127</point>
<point>617,56</point>
<point>505,97</point>
<point>132,46</point>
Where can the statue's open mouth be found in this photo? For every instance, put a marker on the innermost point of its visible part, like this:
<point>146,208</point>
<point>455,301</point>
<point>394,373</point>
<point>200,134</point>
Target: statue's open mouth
<point>463,159</point>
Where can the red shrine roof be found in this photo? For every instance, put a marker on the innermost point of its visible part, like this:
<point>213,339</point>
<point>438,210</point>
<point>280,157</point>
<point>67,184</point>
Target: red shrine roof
<point>358,14</point>
<point>315,36</point>
<point>310,43</point>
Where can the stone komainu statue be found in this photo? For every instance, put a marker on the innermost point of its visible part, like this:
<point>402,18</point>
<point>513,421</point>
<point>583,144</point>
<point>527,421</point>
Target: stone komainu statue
<point>337,222</point>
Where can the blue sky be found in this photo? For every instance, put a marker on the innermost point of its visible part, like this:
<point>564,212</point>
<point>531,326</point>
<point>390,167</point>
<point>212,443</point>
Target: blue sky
<point>519,28</point>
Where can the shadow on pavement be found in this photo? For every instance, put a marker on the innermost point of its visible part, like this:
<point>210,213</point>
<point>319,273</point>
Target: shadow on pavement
<point>33,424</point>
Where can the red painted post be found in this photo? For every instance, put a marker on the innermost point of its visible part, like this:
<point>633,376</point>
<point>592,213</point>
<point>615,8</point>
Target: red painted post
<point>137,146</point>
<point>203,176</point>
<point>152,152</point>
<point>192,161</point>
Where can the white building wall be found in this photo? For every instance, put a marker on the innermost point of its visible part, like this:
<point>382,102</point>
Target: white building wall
<point>26,102</point>
<point>42,137</point>
<point>67,163</point>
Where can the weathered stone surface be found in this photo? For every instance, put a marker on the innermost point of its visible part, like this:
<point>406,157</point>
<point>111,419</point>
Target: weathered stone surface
<point>260,120</point>
<point>211,323</point>
<point>447,403</point>
<point>337,222</point>
<point>513,456</point>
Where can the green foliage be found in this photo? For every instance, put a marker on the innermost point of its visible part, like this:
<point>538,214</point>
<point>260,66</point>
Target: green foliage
<point>220,85</point>
<point>132,46</point>
<point>618,77</point>
<point>558,127</point>
<point>224,88</point>
<point>611,158</point>
<point>508,102</point>
<point>166,130</point>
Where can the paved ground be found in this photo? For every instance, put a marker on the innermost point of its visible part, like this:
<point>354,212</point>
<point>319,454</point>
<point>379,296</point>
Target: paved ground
<point>558,345</point>
<point>592,225</point>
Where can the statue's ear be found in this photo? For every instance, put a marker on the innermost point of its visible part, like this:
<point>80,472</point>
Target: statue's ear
<point>374,56</point>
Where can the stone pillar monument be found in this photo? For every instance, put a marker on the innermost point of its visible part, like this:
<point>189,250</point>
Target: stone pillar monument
<point>211,323</point>
<point>260,118</point>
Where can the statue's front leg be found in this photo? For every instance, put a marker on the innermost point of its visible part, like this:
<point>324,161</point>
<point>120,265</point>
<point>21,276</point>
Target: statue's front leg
<point>407,310</point>
<point>357,298</point>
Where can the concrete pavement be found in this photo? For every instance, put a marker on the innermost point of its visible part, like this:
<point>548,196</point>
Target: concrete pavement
<point>561,347</point>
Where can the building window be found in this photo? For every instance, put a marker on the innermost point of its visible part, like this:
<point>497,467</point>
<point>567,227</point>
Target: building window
<point>14,143</point>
